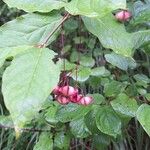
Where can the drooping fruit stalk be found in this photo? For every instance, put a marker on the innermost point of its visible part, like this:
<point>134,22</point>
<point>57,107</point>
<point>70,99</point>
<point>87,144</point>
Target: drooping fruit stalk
<point>123,15</point>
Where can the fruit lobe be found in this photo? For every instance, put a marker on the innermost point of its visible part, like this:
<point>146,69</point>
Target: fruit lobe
<point>85,100</point>
<point>62,100</point>
<point>56,90</point>
<point>68,90</point>
<point>76,98</point>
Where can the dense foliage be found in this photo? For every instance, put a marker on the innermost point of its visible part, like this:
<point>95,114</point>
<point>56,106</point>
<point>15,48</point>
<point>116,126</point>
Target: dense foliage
<point>75,73</point>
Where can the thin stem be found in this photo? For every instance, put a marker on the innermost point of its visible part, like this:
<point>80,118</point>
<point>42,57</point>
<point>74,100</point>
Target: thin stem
<point>25,129</point>
<point>62,45</point>
<point>54,30</point>
<point>78,49</point>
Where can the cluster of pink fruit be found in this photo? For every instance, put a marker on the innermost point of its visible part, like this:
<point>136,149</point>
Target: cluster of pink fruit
<point>67,94</point>
<point>123,15</point>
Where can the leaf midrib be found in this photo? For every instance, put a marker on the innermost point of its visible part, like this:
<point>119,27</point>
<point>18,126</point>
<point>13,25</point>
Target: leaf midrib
<point>33,75</point>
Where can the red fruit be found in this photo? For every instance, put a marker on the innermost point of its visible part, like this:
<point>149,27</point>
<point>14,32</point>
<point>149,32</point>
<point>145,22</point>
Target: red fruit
<point>56,90</point>
<point>62,100</point>
<point>68,91</point>
<point>75,98</point>
<point>123,15</point>
<point>85,100</point>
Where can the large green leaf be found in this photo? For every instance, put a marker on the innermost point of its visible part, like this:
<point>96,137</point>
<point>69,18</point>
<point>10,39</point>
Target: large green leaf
<point>90,121</point>
<point>141,11</point>
<point>50,115</point>
<point>107,121</point>
<point>27,83</point>
<point>36,5</point>
<point>109,89</point>
<point>94,8</point>
<point>87,61</point>
<point>71,112</point>
<point>30,29</point>
<point>120,61</point>
<point>113,35</point>
<point>62,140</point>
<point>11,51</point>
<point>144,117</point>
<point>103,7</point>
<point>125,105</point>
<point>45,142</point>
<point>141,80</point>
<point>100,71</point>
<point>20,34</point>
<point>6,121</point>
<point>98,98</point>
<point>79,128</point>
<point>110,33</point>
<point>101,141</point>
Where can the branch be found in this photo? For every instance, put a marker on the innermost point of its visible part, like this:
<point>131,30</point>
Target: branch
<point>54,30</point>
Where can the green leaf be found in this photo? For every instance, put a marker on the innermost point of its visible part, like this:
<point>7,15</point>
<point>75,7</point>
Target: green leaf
<point>101,141</point>
<point>94,8</point>
<point>107,121</point>
<point>109,89</point>
<point>30,29</point>
<point>141,12</point>
<point>25,32</point>
<point>121,62</point>
<point>80,7</point>
<point>38,5</point>
<point>98,98</point>
<point>68,65</point>
<point>50,115</point>
<point>142,91</point>
<point>125,105</point>
<point>70,25</point>
<point>94,82</point>
<point>87,61</point>
<point>45,142</point>
<point>82,75</point>
<point>27,82</point>
<point>144,117</point>
<point>100,71</point>
<point>104,7</point>
<point>71,112</point>
<point>90,122</point>
<point>91,43</point>
<point>79,128</point>
<point>6,121</point>
<point>140,38</point>
<point>62,141</point>
<point>141,80</point>
<point>113,35</point>
<point>11,52</point>
<point>74,56</point>
<point>147,96</point>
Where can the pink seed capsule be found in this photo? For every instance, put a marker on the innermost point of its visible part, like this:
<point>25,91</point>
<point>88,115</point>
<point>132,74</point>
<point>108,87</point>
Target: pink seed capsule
<point>85,100</point>
<point>75,98</point>
<point>62,100</point>
<point>68,91</point>
<point>123,15</point>
<point>56,90</point>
